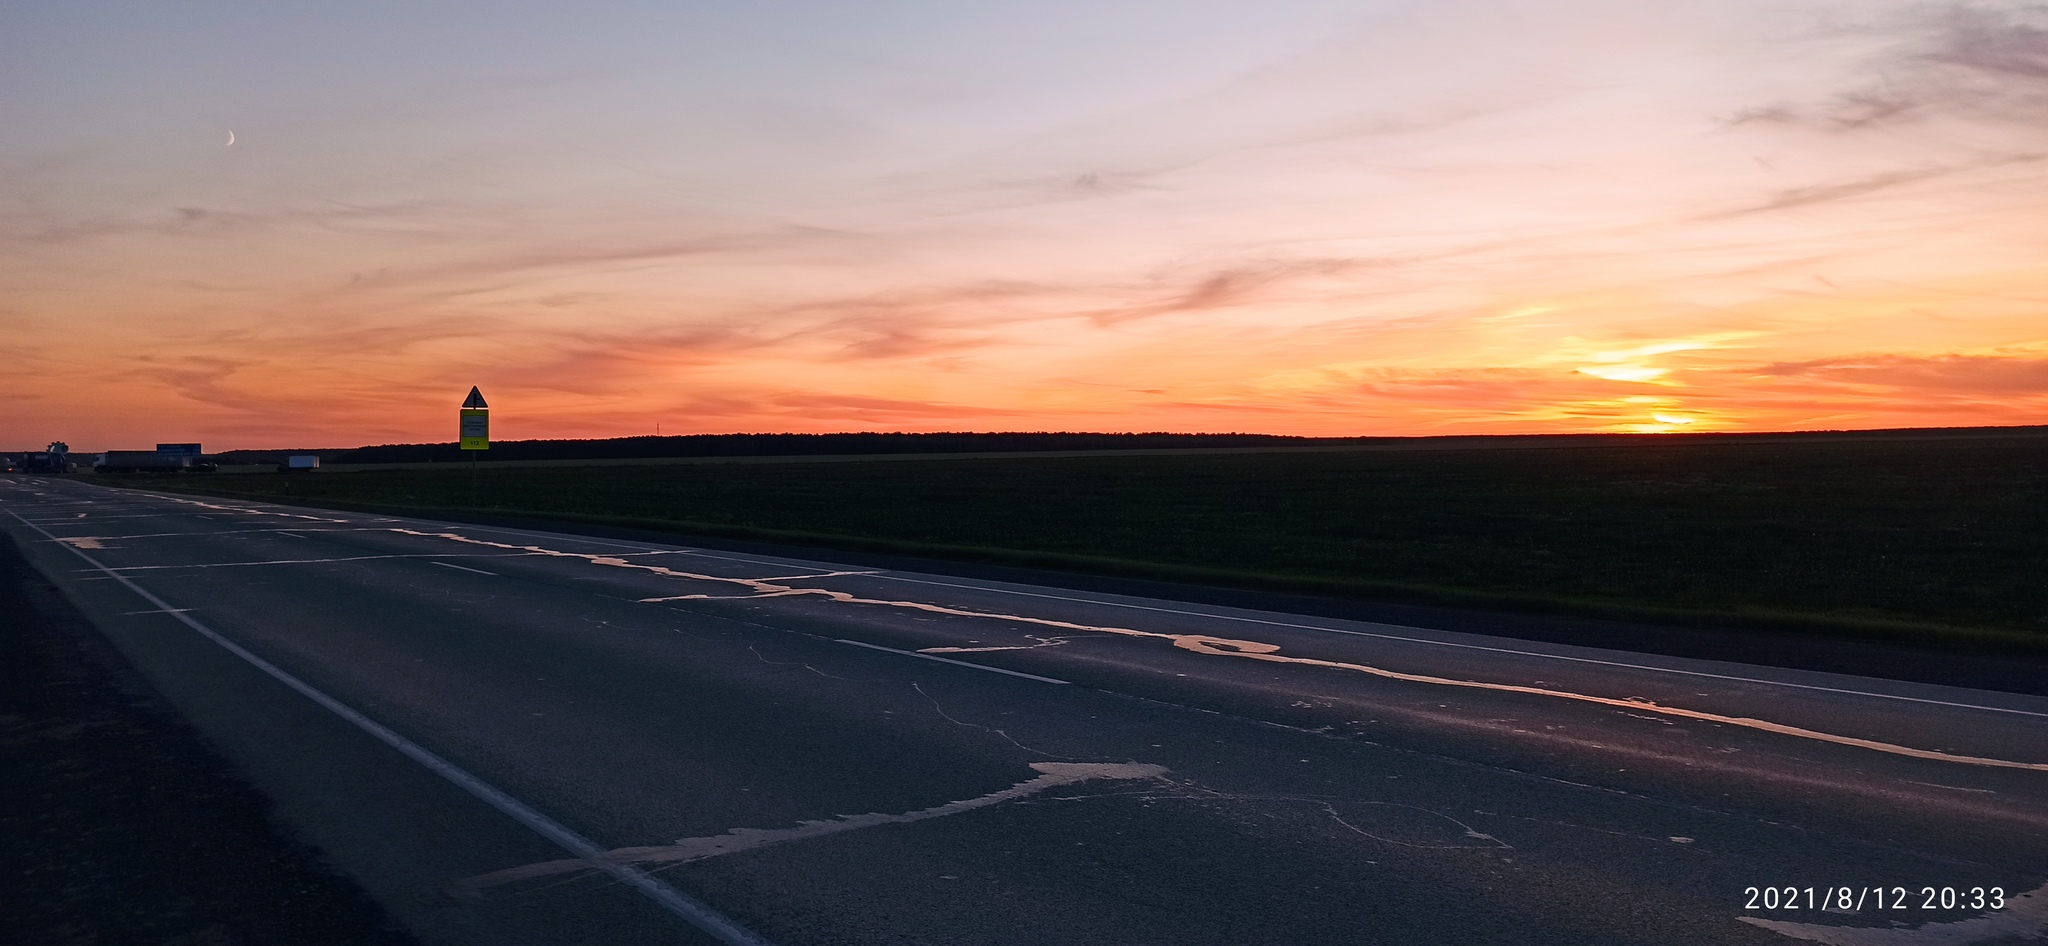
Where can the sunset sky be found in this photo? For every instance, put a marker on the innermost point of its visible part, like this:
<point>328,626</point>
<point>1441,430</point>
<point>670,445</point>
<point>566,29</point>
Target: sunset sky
<point>1280,216</point>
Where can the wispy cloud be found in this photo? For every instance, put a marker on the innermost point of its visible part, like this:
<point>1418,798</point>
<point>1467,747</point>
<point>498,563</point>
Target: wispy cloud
<point>2003,40</point>
<point>1924,60</point>
<point>1241,285</point>
<point>1977,374</point>
<point>1402,217</point>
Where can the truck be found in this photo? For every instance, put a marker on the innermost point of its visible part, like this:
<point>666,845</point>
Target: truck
<point>141,461</point>
<point>56,459</point>
<point>304,463</point>
<point>166,458</point>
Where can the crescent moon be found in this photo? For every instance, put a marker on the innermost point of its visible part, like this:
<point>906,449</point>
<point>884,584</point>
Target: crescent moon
<point>231,137</point>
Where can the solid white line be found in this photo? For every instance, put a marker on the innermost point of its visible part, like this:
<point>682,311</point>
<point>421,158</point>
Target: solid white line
<point>477,571</point>
<point>956,663</point>
<point>290,561</point>
<point>688,908</point>
<point>1497,650</point>
<point>97,519</point>
<point>221,532</point>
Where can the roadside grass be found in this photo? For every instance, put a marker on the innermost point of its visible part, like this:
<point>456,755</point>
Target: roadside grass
<point>1919,539</point>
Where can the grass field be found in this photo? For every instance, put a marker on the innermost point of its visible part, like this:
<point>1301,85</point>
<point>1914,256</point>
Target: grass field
<point>1906,537</point>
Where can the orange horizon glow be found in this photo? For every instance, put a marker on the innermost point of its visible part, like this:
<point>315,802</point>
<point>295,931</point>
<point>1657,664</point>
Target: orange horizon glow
<point>1309,218</point>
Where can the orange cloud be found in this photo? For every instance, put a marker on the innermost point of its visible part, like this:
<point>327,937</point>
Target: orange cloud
<point>1692,215</point>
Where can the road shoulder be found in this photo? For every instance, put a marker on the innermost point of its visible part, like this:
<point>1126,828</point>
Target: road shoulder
<point>123,824</point>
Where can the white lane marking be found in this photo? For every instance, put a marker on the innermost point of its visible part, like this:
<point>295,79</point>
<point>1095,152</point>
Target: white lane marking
<point>1210,645</point>
<point>83,542</point>
<point>74,520</point>
<point>284,561</point>
<point>475,571</point>
<point>1956,788</point>
<point>298,530</point>
<point>250,509</point>
<point>157,611</point>
<point>684,850</point>
<point>2025,915</point>
<point>822,575</point>
<point>1438,643</point>
<point>688,908</point>
<point>956,663</point>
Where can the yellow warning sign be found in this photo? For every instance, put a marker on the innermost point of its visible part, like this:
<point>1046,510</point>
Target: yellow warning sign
<point>476,430</point>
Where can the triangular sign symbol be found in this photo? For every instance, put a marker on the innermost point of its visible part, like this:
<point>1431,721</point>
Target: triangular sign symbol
<point>476,401</point>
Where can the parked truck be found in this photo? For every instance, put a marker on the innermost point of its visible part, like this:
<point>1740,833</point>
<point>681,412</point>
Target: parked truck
<point>57,459</point>
<point>166,458</point>
<point>141,461</point>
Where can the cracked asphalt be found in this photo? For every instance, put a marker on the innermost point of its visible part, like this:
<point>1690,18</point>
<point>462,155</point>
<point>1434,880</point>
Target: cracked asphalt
<point>826,754</point>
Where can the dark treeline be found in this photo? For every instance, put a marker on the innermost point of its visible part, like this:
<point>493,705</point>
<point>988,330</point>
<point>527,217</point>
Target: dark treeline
<point>789,445</point>
<point>743,445</point>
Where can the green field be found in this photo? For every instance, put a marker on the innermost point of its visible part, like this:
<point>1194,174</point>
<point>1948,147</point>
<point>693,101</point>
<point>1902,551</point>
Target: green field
<point>1903,537</point>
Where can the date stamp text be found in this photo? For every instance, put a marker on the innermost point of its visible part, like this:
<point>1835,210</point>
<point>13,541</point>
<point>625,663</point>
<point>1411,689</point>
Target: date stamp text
<point>1858,899</point>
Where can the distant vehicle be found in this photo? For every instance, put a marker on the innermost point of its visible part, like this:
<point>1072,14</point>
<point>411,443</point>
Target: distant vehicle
<point>166,458</point>
<point>55,460</point>
<point>299,464</point>
<point>141,461</point>
<point>198,461</point>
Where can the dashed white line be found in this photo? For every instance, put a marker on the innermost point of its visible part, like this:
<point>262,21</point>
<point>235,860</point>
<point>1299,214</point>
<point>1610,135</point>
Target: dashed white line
<point>956,663</point>
<point>460,568</point>
<point>279,561</point>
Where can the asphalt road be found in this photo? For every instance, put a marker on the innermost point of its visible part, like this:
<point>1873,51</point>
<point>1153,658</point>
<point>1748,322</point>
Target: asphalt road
<point>519,737</point>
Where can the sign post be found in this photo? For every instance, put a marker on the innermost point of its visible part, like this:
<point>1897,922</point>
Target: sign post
<point>474,433</point>
<point>476,422</point>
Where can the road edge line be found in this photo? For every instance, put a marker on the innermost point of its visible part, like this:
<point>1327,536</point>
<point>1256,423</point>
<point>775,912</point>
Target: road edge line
<point>684,906</point>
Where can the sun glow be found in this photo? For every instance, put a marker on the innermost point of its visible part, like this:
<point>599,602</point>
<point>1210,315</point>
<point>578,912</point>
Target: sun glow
<point>1635,373</point>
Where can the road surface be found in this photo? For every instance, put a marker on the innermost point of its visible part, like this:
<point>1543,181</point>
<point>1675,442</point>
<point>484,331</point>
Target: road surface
<point>512,736</point>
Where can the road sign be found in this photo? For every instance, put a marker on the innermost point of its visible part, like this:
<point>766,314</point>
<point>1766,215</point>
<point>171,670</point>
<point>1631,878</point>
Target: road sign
<point>476,422</point>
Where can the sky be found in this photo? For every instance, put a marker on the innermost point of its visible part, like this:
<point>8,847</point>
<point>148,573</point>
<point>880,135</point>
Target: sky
<point>1310,217</point>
